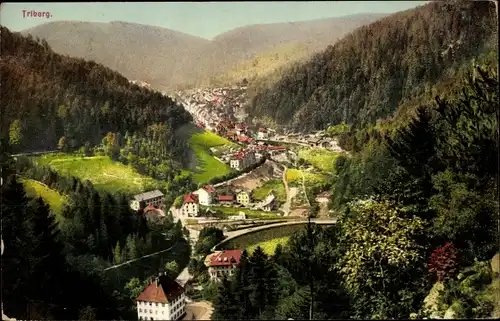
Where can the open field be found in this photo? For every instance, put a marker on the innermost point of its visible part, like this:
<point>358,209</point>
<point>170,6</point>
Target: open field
<point>253,214</point>
<point>267,235</point>
<point>55,200</point>
<point>294,176</point>
<point>204,166</point>
<point>320,158</point>
<point>104,173</point>
<point>269,246</point>
<point>275,186</point>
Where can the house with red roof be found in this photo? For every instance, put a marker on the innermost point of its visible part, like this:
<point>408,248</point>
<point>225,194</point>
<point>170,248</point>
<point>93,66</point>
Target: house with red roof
<point>262,133</point>
<point>190,205</point>
<point>222,263</point>
<point>226,199</point>
<point>242,159</point>
<point>162,299</point>
<point>205,195</point>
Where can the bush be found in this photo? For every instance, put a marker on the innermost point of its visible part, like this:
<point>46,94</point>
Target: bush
<point>443,262</point>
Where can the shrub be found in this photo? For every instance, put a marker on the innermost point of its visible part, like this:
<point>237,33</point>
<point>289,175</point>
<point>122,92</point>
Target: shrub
<point>443,262</point>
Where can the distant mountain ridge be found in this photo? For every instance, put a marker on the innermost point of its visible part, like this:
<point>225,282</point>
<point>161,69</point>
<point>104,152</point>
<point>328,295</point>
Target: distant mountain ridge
<point>371,71</point>
<point>167,58</point>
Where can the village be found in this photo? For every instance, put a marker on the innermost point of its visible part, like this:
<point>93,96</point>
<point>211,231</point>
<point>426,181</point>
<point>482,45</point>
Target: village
<point>220,111</point>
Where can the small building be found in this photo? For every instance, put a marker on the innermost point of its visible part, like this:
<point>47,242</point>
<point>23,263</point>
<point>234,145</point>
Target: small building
<point>236,162</point>
<point>314,141</point>
<point>190,205</point>
<point>162,299</point>
<point>222,263</point>
<point>243,197</point>
<point>152,213</point>
<point>269,203</point>
<point>241,216</point>
<point>205,195</point>
<point>226,199</point>
<point>262,134</point>
<point>240,129</point>
<point>153,198</point>
<point>323,197</point>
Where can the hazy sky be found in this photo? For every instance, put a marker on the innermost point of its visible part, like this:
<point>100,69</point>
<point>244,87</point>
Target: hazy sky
<point>204,19</point>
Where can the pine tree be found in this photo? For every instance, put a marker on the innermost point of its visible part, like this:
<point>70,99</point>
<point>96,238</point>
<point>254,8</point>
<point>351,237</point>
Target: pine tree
<point>117,254</point>
<point>226,307</point>
<point>242,288</point>
<point>257,277</point>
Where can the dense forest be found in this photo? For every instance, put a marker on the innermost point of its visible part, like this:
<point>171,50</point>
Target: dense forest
<point>69,253</point>
<point>367,74</point>
<point>47,96</point>
<point>417,224</point>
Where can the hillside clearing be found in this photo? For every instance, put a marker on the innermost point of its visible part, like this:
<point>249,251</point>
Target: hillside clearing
<point>319,158</point>
<point>269,247</point>
<point>55,200</point>
<point>104,173</point>
<point>294,176</point>
<point>275,186</point>
<point>204,165</point>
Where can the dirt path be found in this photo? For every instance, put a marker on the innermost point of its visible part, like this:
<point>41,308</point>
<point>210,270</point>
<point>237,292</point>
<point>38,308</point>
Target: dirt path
<point>286,206</point>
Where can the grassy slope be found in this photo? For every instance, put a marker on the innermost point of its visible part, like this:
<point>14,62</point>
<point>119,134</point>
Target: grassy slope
<point>248,240</point>
<point>55,200</point>
<point>100,170</point>
<point>264,64</point>
<point>200,141</point>
<point>321,159</point>
<point>269,246</point>
<point>276,186</point>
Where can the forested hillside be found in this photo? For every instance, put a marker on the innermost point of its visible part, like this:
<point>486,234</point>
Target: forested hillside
<point>417,209</point>
<point>46,96</point>
<point>366,75</point>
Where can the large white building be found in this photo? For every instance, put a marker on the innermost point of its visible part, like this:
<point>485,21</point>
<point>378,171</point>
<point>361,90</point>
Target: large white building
<point>205,195</point>
<point>190,205</point>
<point>162,299</point>
<point>222,263</point>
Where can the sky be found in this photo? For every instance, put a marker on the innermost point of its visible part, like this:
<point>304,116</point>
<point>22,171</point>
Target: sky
<point>203,19</point>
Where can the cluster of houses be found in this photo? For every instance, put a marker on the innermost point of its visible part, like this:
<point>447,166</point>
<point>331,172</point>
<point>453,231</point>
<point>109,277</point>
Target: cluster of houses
<point>208,195</point>
<point>165,299</point>
<point>250,155</point>
<point>319,139</point>
<point>209,106</point>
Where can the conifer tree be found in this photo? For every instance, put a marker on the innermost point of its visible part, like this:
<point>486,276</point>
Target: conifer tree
<point>226,307</point>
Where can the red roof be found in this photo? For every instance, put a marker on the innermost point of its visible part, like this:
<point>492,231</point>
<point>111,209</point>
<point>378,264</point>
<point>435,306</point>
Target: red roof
<point>149,208</point>
<point>276,147</point>
<point>262,130</point>
<point>226,198</point>
<point>226,258</point>
<point>209,188</point>
<point>239,155</point>
<point>191,198</point>
<point>162,290</point>
<point>243,138</point>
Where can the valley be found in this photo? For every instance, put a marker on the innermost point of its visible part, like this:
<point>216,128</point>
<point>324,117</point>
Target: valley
<point>336,168</point>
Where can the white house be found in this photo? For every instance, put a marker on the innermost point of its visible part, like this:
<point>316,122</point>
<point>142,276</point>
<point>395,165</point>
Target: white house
<point>268,204</point>
<point>262,134</point>
<point>190,205</point>
<point>205,195</point>
<point>222,263</point>
<point>162,299</point>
